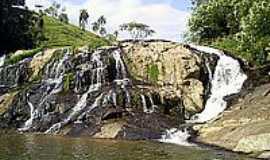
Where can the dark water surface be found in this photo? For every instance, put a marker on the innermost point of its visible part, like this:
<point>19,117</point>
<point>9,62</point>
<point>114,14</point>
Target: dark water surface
<point>40,147</point>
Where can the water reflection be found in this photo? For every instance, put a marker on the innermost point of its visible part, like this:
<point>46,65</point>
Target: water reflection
<point>40,147</point>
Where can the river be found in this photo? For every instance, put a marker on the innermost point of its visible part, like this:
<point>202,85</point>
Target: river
<point>41,147</point>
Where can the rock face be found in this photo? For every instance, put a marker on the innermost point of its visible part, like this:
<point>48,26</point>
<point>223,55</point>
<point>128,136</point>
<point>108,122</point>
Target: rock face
<point>172,68</point>
<point>245,126</point>
<point>131,91</point>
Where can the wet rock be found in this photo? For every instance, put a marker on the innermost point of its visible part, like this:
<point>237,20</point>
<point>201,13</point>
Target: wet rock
<point>244,127</point>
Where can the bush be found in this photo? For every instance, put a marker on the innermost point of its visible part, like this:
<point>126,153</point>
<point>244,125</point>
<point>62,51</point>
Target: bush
<point>153,72</point>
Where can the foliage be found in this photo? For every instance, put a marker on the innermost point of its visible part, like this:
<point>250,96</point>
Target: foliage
<point>153,72</point>
<point>58,34</point>
<point>26,54</point>
<point>68,80</point>
<point>242,26</point>
<point>63,17</point>
<point>19,28</point>
<point>83,19</point>
<point>99,26</point>
<point>53,10</point>
<point>137,30</point>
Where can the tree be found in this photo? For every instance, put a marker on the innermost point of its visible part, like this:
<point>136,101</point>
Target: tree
<point>239,25</point>
<point>137,30</point>
<point>99,26</point>
<point>63,17</point>
<point>19,28</point>
<point>83,19</point>
<point>53,10</point>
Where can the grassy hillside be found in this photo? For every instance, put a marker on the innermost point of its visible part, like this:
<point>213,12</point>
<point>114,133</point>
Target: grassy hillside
<point>58,34</point>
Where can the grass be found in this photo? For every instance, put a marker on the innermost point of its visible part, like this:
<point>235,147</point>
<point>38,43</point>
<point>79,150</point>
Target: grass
<point>153,72</point>
<point>26,54</point>
<point>58,34</point>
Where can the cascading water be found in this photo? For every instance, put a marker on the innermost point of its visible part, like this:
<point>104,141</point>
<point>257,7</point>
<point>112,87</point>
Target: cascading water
<point>2,60</point>
<point>176,136</point>
<point>120,66</point>
<point>145,109</point>
<point>148,109</point>
<point>96,83</point>
<point>33,115</point>
<point>228,79</point>
<point>56,80</point>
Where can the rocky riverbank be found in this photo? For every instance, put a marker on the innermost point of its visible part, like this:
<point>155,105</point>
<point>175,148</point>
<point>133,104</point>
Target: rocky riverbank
<point>244,126</point>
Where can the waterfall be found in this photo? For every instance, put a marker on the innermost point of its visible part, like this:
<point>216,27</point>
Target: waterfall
<point>2,60</point>
<point>96,80</point>
<point>120,66</point>
<point>33,115</point>
<point>228,79</point>
<point>56,79</point>
<point>153,106</point>
<point>76,111</point>
<point>145,107</point>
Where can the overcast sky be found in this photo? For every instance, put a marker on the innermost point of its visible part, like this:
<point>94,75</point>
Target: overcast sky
<point>167,17</point>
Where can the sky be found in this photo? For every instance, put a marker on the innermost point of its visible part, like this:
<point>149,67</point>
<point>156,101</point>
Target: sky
<point>167,17</point>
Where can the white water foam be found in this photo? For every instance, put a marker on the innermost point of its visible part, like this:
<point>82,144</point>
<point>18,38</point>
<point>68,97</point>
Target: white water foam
<point>33,115</point>
<point>228,79</point>
<point>177,136</point>
<point>2,60</point>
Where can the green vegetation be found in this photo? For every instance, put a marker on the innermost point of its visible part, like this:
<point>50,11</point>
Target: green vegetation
<point>99,26</point>
<point>239,26</point>
<point>59,34</point>
<point>153,72</point>
<point>26,54</point>
<point>68,80</point>
<point>137,30</point>
<point>83,19</point>
<point>19,28</point>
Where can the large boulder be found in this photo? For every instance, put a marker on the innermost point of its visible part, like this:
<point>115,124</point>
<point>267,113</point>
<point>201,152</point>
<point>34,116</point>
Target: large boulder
<point>172,68</point>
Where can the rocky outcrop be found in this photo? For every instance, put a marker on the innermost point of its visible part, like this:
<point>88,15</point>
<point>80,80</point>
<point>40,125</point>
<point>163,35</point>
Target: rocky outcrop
<point>174,70</point>
<point>244,127</point>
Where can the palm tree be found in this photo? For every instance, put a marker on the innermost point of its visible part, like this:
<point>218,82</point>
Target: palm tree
<point>102,21</point>
<point>98,26</point>
<point>83,19</point>
<point>102,31</point>
<point>95,26</point>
